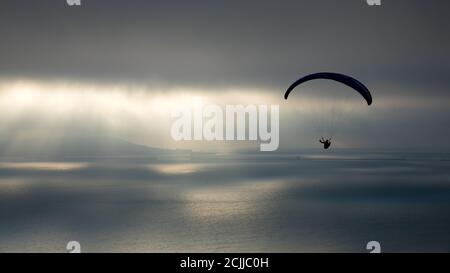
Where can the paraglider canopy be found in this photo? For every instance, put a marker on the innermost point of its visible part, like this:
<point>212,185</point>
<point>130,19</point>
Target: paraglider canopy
<point>349,81</point>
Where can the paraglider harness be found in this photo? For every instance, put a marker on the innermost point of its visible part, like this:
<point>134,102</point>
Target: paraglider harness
<point>326,143</point>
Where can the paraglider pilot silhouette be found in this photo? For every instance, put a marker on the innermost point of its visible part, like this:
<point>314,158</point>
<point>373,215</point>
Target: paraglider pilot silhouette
<point>349,81</point>
<point>326,143</point>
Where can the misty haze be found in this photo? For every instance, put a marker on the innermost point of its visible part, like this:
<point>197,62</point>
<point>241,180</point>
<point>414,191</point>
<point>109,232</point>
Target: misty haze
<point>87,155</point>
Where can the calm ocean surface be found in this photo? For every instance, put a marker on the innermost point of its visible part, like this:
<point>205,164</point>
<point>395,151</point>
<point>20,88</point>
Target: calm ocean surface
<point>309,202</point>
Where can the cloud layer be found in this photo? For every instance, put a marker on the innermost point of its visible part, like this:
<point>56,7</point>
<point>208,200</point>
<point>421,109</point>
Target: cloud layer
<point>400,50</point>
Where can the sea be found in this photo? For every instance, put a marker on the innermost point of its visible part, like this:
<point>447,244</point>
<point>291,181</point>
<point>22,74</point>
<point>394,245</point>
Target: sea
<point>311,201</point>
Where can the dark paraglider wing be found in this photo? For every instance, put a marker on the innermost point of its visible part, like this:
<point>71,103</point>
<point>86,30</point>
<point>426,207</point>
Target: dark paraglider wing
<point>349,81</point>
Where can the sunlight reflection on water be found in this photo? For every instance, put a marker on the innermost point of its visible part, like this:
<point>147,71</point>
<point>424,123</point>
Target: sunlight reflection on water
<point>273,204</point>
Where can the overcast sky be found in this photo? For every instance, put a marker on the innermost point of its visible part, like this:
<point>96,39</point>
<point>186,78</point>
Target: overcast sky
<point>399,50</point>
